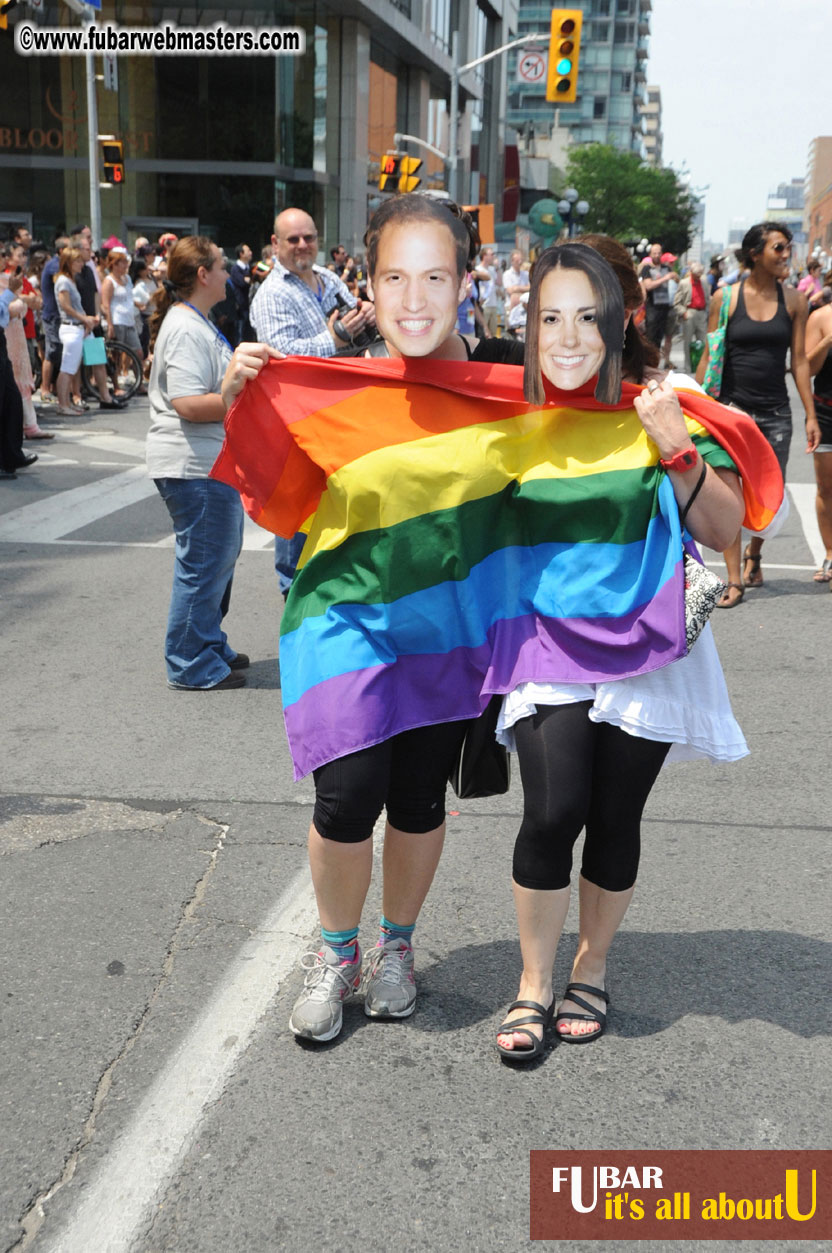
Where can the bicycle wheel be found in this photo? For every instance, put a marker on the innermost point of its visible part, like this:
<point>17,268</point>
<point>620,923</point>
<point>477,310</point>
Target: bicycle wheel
<point>124,371</point>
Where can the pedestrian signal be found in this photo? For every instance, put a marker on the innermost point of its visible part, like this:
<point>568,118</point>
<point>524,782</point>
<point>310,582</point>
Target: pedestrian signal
<point>388,171</point>
<point>564,52</point>
<point>112,157</point>
<point>408,168</point>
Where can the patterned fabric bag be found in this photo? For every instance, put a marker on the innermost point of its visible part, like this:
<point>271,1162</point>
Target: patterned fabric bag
<point>712,382</point>
<point>703,589</point>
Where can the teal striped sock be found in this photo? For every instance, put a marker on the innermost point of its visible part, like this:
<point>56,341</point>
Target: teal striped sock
<point>394,931</point>
<point>342,942</point>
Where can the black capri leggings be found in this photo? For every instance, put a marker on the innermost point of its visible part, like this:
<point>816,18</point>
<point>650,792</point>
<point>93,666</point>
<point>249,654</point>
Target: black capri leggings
<point>408,773</point>
<point>577,773</point>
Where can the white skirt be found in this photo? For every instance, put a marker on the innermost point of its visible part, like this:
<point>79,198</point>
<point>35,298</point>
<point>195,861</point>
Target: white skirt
<point>685,703</point>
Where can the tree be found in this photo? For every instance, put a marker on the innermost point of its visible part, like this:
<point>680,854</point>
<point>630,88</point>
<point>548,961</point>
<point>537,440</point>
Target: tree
<point>628,199</point>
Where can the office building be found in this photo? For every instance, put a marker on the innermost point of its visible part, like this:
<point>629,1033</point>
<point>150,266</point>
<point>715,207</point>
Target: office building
<point>611,80</point>
<point>219,143</point>
<point>651,111</point>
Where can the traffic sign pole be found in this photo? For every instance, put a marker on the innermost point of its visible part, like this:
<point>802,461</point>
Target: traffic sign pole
<point>453,115</point>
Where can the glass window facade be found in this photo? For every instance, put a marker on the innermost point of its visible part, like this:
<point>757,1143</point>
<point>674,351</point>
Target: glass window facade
<point>227,141</point>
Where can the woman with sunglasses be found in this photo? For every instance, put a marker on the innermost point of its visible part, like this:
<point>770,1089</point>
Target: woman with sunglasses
<point>766,320</point>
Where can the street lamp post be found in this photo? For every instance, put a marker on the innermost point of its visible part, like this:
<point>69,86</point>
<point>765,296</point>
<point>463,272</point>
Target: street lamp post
<point>453,113</point>
<point>573,211</point>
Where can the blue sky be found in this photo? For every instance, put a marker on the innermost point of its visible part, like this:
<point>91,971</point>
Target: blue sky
<point>746,85</point>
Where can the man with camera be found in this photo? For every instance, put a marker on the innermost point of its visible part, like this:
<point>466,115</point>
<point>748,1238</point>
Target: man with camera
<point>303,309</point>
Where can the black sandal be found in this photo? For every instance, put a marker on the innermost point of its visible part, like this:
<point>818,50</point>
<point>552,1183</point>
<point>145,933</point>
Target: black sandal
<point>594,1015</point>
<point>755,574</point>
<point>540,1018</point>
<point>722,603</point>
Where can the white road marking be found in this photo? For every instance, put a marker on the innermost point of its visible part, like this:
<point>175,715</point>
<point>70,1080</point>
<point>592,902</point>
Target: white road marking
<point>115,1202</point>
<point>107,442</point>
<point>803,498</point>
<point>769,565</point>
<point>45,521</point>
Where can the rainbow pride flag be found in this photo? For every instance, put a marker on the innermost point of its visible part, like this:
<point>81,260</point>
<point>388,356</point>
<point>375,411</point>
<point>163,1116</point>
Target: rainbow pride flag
<point>461,541</point>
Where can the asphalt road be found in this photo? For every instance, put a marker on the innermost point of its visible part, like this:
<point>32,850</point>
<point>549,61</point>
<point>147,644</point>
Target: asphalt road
<point>155,905</point>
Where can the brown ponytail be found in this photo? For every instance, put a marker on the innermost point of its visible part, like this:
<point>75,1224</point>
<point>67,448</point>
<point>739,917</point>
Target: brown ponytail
<point>183,262</point>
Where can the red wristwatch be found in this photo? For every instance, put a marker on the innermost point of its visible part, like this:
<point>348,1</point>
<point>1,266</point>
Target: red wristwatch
<point>681,461</point>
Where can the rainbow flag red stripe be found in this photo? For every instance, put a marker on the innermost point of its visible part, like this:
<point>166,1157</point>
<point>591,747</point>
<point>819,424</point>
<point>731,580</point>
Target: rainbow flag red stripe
<point>461,541</point>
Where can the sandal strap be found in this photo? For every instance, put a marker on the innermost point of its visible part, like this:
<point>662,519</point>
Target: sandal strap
<point>596,1015</point>
<point>587,987</point>
<point>507,1027</point>
<point>567,1017</point>
<point>540,1009</point>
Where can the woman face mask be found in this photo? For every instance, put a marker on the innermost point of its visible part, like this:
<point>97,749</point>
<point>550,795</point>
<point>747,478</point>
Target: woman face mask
<point>570,348</point>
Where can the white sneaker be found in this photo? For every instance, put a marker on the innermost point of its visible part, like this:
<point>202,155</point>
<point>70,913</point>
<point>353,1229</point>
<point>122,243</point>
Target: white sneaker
<point>389,983</point>
<point>318,1012</point>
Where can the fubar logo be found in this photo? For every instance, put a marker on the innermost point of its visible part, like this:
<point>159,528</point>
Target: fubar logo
<point>681,1195</point>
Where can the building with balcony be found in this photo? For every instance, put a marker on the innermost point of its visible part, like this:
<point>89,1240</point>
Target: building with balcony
<point>651,112</point>
<point>221,143</point>
<point>611,75</point>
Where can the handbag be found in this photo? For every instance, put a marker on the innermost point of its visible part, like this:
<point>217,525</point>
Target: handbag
<point>712,382</point>
<point>94,350</point>
<point>703,588</point>
<point>482,767</point>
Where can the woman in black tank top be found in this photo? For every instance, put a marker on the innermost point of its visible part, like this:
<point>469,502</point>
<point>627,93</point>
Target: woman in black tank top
<point>819,355</point>
<point>765,322</point>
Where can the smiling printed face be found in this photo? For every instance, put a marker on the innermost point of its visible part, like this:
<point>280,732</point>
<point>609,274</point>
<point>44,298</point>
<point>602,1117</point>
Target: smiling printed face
<point>416,287</point>
<point>570,346</point>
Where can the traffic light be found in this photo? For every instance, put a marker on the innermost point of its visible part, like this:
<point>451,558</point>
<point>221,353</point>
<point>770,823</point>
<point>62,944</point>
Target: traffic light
<point>112,157</point>
<point>407,170</point>
<point>388,170</point>
<point>564,52</point>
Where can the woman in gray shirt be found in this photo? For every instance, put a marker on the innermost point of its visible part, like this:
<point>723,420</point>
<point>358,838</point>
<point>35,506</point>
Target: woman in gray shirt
<point>186,434</point>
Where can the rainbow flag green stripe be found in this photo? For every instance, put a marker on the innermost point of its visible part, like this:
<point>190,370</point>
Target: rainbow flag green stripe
<point>367,567</point>
<point>555,581</point>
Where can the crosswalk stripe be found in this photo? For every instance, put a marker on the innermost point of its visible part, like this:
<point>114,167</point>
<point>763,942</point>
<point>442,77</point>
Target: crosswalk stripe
<point>49,520</point>
<point>46,520</point>
<point>803,497</point>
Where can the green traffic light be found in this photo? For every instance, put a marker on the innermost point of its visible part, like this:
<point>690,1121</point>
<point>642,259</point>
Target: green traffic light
<point>564,66</point>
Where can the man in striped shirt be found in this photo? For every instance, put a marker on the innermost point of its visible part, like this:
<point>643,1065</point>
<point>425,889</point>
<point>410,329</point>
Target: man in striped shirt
<point>302,309</point>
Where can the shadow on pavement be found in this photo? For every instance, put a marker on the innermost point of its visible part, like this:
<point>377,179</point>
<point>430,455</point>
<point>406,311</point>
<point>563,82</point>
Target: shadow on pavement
<point>655,979</point>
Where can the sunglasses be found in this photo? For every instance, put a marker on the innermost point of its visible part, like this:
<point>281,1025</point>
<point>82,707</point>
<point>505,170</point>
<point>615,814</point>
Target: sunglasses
<point>307,239</point>
<point>782,247</point>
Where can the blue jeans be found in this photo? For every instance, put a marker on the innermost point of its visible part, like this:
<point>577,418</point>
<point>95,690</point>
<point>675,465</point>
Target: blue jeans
<point>286,554</point>
<point>208,522</point>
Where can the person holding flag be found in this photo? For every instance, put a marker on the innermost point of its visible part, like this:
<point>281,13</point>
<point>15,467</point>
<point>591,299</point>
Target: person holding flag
<point>465,539</point>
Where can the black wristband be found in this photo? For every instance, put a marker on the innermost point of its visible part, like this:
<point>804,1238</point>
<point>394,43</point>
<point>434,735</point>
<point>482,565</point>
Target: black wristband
<point>694,493</point>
